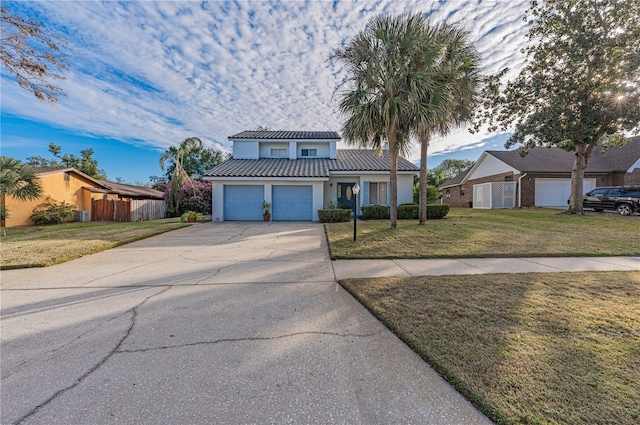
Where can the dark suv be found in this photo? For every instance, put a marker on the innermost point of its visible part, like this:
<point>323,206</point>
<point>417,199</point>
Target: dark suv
<point>624,200</point>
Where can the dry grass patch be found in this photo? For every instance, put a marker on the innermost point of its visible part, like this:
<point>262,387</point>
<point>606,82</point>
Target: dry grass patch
<point>534,348</point>
<point>40,246</point>
<point>467,233</point>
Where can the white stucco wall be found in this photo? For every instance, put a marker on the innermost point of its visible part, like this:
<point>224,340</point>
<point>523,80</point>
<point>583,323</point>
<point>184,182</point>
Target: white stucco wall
<point>405,186</point>
<point>245,149</point>
<point>322,148</point>
<point>489,165</point>
<point>265,148</point>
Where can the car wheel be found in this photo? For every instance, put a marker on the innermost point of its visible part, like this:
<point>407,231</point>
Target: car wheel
<point>624,209</point>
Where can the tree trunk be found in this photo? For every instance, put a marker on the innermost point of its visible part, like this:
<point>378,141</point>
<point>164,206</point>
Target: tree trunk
<point>393,177</point>
<point>4,210</point>
<point>424,146</point>
<point>581,156</point>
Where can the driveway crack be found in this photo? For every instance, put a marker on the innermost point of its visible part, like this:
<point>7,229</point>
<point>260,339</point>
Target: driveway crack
<point>266,338</point>
<point>60,347</point>
<point>134,313</point>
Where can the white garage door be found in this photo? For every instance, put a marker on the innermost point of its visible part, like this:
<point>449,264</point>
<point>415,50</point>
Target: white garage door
<point>556,192</point>
<point>243,202</point>
<point>292,203</point>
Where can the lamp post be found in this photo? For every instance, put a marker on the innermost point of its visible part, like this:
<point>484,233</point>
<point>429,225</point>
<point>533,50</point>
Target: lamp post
<point>356,189</point>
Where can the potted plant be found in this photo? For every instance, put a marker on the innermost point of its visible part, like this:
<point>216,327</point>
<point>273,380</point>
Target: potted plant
<point>267,211</point>
<point>190,216</point>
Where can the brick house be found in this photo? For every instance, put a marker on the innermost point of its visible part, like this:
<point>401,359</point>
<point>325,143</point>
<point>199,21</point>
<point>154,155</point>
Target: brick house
<point>542,178</point>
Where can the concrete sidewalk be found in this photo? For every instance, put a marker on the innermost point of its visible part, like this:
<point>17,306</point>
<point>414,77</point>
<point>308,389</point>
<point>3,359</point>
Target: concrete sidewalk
<point>345,269</point>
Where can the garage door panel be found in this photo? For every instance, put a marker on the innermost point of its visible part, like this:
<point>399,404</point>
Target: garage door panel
<point>243,202</point>
<point>556,192</point>
<point>291,203</point>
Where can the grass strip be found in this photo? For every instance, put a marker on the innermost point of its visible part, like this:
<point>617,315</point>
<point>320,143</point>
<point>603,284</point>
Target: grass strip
<point>536,348</point>
<point>41,246</point>
<point>472,233</point>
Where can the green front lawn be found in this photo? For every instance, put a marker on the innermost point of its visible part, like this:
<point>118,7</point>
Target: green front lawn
<point>39,246</point>
<point>466,233</point>
<point>545,348</point>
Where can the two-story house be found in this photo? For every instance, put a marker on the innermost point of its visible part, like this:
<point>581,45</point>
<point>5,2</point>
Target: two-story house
<point>298,173</point>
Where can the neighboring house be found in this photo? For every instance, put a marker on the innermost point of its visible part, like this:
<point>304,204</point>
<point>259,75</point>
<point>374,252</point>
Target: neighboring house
<point>542,178</point>
<point>299,173</point>
<point>75,188</point>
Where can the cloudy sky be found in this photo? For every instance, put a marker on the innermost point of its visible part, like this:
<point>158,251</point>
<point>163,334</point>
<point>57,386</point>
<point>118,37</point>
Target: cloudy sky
<point>144,75</point>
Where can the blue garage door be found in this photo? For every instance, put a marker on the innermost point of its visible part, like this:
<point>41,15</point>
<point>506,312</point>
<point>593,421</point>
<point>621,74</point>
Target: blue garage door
<point>292,203</point>
<point>243,202</point>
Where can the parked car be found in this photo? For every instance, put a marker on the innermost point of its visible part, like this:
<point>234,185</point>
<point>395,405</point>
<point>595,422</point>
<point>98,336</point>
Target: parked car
<point>624,200</point>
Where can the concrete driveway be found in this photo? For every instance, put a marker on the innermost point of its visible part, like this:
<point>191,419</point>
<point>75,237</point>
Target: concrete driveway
<point>215,323</point>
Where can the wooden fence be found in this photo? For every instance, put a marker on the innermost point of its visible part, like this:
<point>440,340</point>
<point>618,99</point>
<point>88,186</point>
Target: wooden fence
<point>147,209</point>
<point>134,210</point>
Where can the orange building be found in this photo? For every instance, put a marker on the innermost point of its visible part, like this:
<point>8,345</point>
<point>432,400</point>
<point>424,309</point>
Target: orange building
<point>74,188</point>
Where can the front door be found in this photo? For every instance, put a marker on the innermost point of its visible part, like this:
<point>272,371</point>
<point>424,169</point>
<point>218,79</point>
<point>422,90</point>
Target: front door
<point>345,195</point>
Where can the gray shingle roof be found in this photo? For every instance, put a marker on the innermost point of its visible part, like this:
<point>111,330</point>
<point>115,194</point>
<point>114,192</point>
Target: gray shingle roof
<point>555,160</point>
<point>347,160</point>
<point>456,180</point>
<point>282,134</point>
<point>133,191</point>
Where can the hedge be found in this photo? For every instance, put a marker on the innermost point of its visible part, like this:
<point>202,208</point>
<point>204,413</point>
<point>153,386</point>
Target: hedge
<point>408,212</point>
<point>405,212</point>
<point>334,215</point>
<point>375,212</point>
<point>436,211</point>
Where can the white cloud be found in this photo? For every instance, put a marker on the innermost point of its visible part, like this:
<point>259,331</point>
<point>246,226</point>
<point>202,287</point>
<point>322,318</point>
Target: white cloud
<point>157,72</point>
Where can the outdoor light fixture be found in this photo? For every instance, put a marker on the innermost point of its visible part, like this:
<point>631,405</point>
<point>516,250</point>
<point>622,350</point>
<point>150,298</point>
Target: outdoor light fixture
<point>356,189</point>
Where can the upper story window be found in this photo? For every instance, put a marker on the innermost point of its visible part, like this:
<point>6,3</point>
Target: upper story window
<point>279,153</point>
<point>309,152</point>
<point>66,177</point>
<point>508,178</point>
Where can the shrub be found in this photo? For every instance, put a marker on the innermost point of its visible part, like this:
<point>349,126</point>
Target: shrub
<point>48,213</point>
<point>436,211</point>
<point>408,211</point>
<point>185,216</point>
<point>193,196</point>
<point>375,212</point>
<point>339,215</point>
<point>433,194</point>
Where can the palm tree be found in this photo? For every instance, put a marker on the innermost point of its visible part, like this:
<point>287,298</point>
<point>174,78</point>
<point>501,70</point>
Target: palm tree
<point>387,88</point>
<point>179,176</point>
<point>17,180</point>
<point>455,81</point>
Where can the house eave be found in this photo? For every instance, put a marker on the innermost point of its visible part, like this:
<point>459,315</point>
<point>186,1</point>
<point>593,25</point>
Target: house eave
<point>246,178</point>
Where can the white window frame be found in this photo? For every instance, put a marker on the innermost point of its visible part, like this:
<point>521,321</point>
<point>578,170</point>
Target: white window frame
<point>378,193</point>
<point>279,153</point>
<point>309,152</point>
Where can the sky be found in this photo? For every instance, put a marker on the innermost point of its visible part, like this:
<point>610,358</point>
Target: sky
<point>145,75</point>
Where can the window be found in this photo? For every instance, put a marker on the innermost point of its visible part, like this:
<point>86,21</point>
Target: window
<point>66,177</point>
<point>461,191</point>
<point>278,153</point>
<point>309,152</point>
<point>377,193</point>
<point>597,192</point>
<point>508,178</point>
